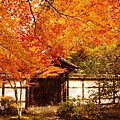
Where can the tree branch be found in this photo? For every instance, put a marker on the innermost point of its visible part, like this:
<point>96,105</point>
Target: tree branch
<point>34,20</point>
<point>67,14</point>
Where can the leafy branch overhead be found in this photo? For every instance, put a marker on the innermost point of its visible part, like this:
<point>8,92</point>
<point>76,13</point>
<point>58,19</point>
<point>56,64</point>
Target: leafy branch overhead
<point>34,33</point>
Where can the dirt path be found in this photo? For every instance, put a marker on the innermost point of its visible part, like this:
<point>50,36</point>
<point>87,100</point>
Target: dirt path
<point>48,111</point>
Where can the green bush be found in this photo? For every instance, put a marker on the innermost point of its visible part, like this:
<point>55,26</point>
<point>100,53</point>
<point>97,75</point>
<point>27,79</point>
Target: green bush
<point>72,109</point>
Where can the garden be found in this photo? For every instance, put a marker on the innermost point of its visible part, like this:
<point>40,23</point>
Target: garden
<point>72,109</point>
<point>35,35</point>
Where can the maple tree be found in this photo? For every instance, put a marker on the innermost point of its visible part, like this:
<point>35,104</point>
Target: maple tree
<point>49,27</point>
<point>34,33</point>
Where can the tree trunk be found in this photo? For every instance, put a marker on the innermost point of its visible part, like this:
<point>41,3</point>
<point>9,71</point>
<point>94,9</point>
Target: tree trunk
<point>19,110</point>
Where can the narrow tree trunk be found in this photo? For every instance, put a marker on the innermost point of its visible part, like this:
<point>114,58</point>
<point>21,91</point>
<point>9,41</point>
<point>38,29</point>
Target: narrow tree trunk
<point>16,96</point>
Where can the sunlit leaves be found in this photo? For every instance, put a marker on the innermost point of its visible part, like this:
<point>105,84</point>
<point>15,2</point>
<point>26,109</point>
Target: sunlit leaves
<point>50,72</point>
<point>37,32</point>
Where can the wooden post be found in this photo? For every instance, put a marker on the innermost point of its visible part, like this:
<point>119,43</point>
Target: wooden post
<point>64,91</point>
<point>99,91</point>
<point>27,102</point>
<point>3,89</point>
<point>63,87</point>
<point>113,91</point>
<point>67,79</point>
<point>83,90</point>
<point>59,90</point>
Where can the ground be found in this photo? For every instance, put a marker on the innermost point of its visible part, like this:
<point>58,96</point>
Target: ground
<point>36,113</point>
<point>48,111</point>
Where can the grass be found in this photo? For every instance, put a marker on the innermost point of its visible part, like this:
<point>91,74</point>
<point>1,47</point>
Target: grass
<point>24,117</point>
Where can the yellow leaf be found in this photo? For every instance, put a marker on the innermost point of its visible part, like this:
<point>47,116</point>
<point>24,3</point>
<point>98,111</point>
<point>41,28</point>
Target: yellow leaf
<point>61,21</point>
<point>18,19</point>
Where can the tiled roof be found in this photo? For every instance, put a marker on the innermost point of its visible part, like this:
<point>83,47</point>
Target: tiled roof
<point>68,63</point>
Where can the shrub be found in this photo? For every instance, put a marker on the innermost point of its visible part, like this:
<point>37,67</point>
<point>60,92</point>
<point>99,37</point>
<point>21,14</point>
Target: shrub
<point>70,110</point>
<point>8,105</point>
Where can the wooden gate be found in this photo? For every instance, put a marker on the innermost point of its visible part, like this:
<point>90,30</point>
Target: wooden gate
<point>50,91</point>
<point>46,92</point>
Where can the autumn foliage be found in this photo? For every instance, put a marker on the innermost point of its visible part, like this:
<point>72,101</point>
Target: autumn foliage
<point>34,33</point>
